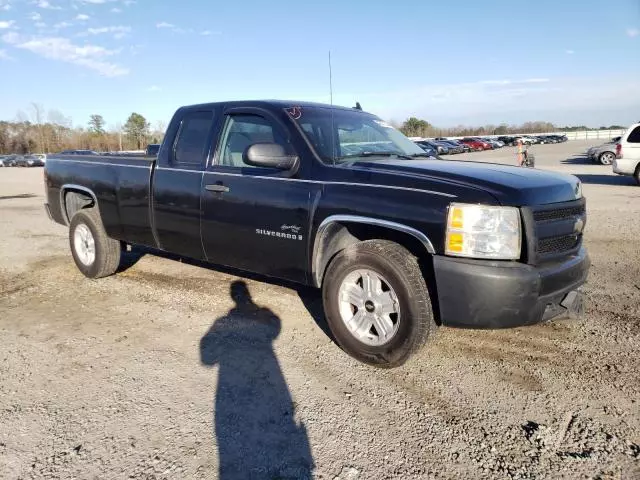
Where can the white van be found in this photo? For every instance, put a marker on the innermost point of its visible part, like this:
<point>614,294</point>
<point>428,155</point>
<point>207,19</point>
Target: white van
<point>627,161</point>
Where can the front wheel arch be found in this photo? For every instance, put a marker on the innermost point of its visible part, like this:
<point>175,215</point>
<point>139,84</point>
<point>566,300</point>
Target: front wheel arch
<point>340,231</point>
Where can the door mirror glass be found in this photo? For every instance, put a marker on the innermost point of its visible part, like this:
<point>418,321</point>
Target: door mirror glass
<point>269,155</point>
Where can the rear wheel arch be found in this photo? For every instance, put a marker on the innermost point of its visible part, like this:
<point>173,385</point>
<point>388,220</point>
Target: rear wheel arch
<point>74,198</point>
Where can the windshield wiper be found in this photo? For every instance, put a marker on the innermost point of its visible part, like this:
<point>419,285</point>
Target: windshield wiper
<point>375,154</point>
<point>425,154</point>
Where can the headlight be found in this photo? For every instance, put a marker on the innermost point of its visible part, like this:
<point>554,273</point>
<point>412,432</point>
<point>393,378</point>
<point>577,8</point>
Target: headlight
<point>480,231</point>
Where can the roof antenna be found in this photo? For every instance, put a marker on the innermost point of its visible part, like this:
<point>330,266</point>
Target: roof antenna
<point>330,81</point>
<point>358,107</point>
<point>333,140</point>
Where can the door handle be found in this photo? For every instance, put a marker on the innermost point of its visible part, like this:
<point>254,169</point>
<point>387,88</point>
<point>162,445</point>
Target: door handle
<point>217,188</point>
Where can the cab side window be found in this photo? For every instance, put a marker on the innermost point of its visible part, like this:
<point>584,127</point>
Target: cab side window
<point>242,131</point>
<point>192,142</point>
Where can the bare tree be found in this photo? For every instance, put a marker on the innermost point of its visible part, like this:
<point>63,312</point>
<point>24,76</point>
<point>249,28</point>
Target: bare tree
<point>38,115</point>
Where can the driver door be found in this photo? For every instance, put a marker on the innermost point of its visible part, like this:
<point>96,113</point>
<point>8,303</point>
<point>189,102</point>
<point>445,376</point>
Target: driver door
<point>254,218</point>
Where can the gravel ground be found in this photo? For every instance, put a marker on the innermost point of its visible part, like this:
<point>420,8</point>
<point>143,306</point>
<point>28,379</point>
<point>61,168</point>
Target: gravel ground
<point>172,370</point>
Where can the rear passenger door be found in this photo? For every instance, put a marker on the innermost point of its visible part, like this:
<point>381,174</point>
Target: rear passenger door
<point>255,218</point>
<point>176,185</point>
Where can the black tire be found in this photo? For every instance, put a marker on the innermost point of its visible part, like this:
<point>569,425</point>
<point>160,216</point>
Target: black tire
<point>107,250</point>
<point>400,268</point>
<point>606,158</point>
<point>636,174</point>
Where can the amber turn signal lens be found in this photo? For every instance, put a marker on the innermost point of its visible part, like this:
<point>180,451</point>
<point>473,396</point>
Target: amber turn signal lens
<point>456,242</point>
<point>457,218</point>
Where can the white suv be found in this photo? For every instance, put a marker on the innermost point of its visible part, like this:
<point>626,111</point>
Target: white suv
<point>627,161</point>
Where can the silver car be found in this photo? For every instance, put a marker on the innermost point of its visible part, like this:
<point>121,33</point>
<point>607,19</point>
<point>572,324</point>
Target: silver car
<point>605,153</point>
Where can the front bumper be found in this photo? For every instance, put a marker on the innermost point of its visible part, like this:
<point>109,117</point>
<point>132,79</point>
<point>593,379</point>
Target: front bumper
<point>487,294</point>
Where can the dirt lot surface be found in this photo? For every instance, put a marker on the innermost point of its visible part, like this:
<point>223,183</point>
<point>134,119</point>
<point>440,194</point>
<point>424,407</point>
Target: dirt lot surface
<point>157,372</point>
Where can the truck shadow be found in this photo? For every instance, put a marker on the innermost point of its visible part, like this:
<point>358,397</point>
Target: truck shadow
<point>254,414</point>
<point>577,160</point>
<point>602,179</point>
<point>310,297</point>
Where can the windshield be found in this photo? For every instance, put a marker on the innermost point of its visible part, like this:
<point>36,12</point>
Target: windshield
<point>339,135</point>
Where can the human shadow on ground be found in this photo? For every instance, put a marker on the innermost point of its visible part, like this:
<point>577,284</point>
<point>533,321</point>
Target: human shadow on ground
<point>310,297</point>
<point>254,425</point>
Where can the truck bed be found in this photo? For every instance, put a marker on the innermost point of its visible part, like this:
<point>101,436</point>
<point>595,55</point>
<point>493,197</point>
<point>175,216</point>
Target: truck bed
<point>121,185</point>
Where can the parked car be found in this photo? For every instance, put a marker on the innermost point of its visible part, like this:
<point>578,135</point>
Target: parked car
<point>441,149</point>
<point>3,159</point>
<point>29,161</point>
<point>41,156</point>
<point>475,144</point>
<point>10,160</point>
<point>504,243</point>
<point>427,148</point>
<point>604,154</point>
<point>627,161</point>
<point>507,139</point>
<point>465,148</point>
<point>78,152</point>
<point>525,140</point>
<point>152,150</point>
<point>454,142</point>
<point>451,148</point>
<point>494,142</point>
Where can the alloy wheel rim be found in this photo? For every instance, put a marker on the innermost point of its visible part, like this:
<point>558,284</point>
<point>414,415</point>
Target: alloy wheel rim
<point>84,245</point>
<point>369,307</point>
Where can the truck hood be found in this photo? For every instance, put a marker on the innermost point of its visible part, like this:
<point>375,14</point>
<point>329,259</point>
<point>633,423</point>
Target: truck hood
<point>510,185</point>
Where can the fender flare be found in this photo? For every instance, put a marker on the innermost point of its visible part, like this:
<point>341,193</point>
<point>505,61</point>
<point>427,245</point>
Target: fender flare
<point>317,270</point>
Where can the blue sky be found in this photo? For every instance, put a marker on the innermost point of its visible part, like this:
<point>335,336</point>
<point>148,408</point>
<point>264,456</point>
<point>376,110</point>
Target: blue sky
<point>448,62</point>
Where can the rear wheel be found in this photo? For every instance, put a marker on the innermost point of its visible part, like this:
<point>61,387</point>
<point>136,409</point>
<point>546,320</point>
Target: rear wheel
<point>606,158</point>
<point>636,174</point>
<point>377,303</point>
<point>95,254</point>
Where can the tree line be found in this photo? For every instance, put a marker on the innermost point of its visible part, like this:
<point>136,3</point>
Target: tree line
<point>416,127</point>
<point>52,131</point>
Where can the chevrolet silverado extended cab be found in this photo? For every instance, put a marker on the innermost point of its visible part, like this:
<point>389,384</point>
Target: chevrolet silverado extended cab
<point>338,199</point>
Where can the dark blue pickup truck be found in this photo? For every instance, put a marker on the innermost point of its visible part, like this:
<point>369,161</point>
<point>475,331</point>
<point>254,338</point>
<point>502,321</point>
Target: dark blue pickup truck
<point>336,198</point>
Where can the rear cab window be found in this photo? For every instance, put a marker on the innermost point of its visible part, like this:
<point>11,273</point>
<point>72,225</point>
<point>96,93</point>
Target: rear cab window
<point>193,140</point>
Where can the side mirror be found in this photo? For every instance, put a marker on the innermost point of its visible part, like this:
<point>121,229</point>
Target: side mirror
<point>269,155</point>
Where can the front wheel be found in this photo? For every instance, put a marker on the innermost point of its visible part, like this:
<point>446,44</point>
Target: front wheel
<point>95,254</point>
<point>377,303</point>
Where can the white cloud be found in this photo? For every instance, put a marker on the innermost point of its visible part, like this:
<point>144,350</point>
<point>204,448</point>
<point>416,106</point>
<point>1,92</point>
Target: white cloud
<point>5,6</point>
<point>35,16</point>
<point>63,25</point>
<point>569,52</point>
<point>4,55</point>
<point>61,49</point>
<point>633,32</point>
<point>536,80</point>
<point>40,24</point>
<point>5,24</point>
<point>82,17</point>
<point>206,33</point>
<point>154,88</point>
<point>116,10</point>
<point>119,31</point>
<point>165,25</point>
<point>46,5</point>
